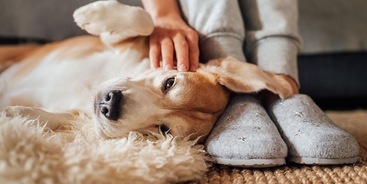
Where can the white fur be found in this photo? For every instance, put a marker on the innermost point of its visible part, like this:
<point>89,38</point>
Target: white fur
<point>100,19</point>
<point>62,91</point>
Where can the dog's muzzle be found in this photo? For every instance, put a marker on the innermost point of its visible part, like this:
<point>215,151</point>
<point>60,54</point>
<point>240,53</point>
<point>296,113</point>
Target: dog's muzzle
<point>110,105</point>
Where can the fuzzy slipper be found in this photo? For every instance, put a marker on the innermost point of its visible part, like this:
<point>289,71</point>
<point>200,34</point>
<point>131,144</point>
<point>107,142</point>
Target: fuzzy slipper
<point>245,136</point>
<point>312,138</point>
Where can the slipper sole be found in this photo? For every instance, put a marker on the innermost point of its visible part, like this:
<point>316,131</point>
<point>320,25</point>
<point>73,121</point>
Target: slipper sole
<point>251,163</point>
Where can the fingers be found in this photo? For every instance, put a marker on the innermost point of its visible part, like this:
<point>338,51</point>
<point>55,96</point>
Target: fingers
<point>164,44</point>
<point>154,52</point>
<point>182,53</point>
<point>167,53</point>
<point>187,51</point>
<point>192,39</point>
<point>161,47</point>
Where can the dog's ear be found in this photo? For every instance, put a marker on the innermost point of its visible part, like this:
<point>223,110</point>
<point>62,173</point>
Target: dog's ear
<point>242,77</point>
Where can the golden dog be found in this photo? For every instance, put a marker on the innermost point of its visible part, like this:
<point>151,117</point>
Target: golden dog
<point>58,82</point>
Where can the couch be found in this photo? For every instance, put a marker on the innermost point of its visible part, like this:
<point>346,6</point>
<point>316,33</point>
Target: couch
<point>333,62</point>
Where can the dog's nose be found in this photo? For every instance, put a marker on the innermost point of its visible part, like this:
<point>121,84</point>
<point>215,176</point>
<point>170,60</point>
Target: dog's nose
<point>110,105</point>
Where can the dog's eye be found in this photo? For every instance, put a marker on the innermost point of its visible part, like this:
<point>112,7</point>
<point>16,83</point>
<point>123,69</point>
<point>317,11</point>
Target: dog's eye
<point>168,84</point>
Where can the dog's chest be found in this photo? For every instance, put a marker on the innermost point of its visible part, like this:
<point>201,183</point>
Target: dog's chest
<point>57,84</point>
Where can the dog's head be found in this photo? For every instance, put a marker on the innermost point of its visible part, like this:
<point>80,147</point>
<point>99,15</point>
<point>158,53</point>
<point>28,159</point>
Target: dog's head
<point>181,103</point>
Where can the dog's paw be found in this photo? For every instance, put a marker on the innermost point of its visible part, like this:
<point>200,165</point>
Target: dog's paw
<point>95,17</point>
<point>113,21</point>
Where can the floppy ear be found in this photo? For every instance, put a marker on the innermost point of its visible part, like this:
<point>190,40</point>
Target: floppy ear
<point>242,77</point>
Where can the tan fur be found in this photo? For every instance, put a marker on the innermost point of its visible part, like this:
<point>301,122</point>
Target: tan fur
<point>74,75</point>
<point>9,55</point>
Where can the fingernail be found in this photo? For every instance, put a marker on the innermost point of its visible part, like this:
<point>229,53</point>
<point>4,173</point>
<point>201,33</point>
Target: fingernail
<point>167,67</point>
<point>182,68</point>
<point>153,67</point>
<point>193,68</point>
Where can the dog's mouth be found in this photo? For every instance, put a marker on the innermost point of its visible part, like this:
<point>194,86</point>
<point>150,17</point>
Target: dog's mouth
<point>109,105</point>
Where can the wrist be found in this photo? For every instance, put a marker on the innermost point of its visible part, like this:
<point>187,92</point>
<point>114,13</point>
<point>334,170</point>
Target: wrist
<point>162,10</point>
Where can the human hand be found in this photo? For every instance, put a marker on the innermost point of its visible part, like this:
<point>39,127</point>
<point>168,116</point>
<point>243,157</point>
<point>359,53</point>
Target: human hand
<point>173,39</point>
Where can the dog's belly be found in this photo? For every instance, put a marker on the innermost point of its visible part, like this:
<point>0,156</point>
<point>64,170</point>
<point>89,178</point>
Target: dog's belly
<point>57,84</point>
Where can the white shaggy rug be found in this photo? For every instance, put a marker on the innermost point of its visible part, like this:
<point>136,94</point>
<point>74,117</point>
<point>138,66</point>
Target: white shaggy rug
<point>32,154</point>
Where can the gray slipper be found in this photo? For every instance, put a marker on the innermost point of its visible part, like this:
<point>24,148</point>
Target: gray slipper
<point>312,138</point>
<point>245,136</point>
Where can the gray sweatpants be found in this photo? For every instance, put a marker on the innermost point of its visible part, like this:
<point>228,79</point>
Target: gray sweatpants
<point>265,31</point>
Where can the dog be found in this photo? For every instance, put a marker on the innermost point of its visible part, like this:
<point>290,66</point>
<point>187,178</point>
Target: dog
<point>106,77</point>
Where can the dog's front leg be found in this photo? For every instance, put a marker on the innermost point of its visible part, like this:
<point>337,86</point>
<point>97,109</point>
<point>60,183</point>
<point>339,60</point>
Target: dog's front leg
<point>50,120</point>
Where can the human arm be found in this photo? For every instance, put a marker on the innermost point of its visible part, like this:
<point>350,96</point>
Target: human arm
<point>171,36</point>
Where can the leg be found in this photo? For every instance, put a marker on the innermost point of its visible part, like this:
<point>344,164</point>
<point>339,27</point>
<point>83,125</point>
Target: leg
<point>272,39</point>
<point>311,137</point>
<point>50,120</point>
<point>220,27</point>
<point>244,135</point>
